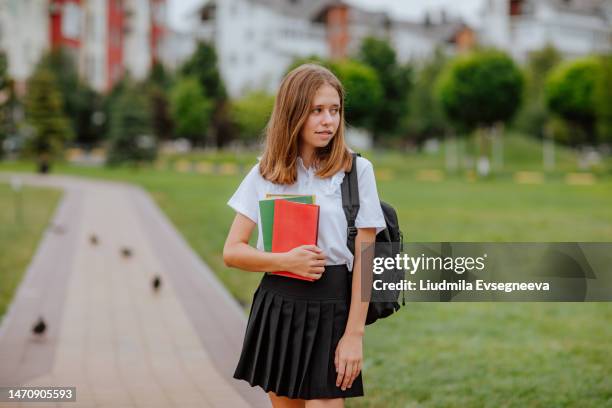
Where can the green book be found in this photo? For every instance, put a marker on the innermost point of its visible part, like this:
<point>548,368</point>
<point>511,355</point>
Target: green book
<point>266,214</point>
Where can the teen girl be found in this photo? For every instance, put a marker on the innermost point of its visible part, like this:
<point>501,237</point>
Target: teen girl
<point>304,340</point>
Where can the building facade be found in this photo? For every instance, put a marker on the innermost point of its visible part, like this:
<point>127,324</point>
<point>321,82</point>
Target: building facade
<point>256,40</point>
<point>574,27</point>
<point>106,38</point>
<point>24,35</point>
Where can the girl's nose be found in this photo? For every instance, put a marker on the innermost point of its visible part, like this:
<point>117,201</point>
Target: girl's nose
<point>327,118</point>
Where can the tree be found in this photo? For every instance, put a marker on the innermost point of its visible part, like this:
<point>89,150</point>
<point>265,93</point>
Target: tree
<point>4,75</point>
<point>479,90</point>
<point>80,102</point>
<point>363,92</point>
<point>158,86</point>
<point>5,95</point>
<point>44,112</point>
<point>313,59</point>
<point>159,76</point>
<point>10,109</point>
<point>130,135</point>
<point>570,93</point>
<point>89,119</point>
<point>539,64</point>
<point>361,85</point>
<point>191,110</point>
<point>251,114</point>
<point>534,114</point>
<point>203,66</point>
<point>378,54</point>
<point>426,118</point>
<point>603,101</point>
<point>395,80</point>
<point>160,111</point>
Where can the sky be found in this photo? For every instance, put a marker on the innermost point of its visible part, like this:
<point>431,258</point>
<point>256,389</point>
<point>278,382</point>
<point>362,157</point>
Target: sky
<point>178,10</point>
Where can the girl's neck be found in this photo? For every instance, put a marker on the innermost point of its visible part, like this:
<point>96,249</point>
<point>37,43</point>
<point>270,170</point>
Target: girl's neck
<point>307,156</point>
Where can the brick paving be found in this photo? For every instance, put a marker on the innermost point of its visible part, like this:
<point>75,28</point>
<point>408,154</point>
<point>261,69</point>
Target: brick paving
<point>109,334</point>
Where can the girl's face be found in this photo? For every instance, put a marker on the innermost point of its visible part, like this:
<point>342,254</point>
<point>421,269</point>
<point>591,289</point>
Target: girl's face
<point>324,118</point>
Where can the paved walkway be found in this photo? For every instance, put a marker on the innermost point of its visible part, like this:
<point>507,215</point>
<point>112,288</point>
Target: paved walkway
<point>109,334</point>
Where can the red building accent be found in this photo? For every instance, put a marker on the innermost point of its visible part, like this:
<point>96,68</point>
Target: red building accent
<point>65,23</point>
<point>516,7</point>
<point>114,44</point>
<point>338,37</point>
<point>158,28</point>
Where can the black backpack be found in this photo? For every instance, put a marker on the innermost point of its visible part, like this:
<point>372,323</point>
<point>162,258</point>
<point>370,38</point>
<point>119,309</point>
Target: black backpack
<point>391,240</point>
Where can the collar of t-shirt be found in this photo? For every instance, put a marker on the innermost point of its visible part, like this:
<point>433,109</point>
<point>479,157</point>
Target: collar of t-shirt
<point>310,170</point>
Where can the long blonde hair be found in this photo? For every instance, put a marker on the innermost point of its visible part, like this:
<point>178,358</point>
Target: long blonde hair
<point>291,109</point>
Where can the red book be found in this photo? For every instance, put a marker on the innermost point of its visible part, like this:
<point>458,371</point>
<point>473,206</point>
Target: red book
<point>295,224</point>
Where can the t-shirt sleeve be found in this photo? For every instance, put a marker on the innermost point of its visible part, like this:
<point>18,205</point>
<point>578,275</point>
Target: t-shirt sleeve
<point>370,213</point>
<point>245,199</point>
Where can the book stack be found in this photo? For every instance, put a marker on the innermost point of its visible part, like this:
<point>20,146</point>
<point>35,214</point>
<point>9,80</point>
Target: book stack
<point>288,221</point>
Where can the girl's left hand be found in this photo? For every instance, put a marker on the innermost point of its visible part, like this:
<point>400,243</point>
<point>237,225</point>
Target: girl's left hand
<point>348,359</point>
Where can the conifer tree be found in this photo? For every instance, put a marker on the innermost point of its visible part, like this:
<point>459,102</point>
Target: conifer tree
<point>130,133</point>
<point>44,113</point>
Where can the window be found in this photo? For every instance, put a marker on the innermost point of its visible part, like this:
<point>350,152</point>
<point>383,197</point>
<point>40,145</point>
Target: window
<point>71,21</point>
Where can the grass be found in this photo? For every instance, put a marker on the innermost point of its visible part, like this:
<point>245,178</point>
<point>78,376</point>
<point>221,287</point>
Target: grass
<point>520,153</point>
<point>490,355</point>
<point>18,240</point>
<point>444,355</point>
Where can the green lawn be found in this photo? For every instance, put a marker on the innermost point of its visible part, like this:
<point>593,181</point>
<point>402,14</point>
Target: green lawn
<point>18,240</point>
<point>520,153</point>
<point>445,355</point>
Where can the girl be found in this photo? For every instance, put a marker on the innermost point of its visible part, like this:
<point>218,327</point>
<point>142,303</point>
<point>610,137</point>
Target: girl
<point>304,340</point>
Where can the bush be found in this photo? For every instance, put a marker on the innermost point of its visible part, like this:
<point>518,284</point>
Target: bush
<point>251,114</point>
<point>191,110</point>
<point>570,93</point>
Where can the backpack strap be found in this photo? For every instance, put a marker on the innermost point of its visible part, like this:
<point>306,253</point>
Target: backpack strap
<point>350,202</point>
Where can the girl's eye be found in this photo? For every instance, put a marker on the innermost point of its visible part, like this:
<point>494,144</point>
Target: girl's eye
<point>317,110</point>
<point>334,111</point>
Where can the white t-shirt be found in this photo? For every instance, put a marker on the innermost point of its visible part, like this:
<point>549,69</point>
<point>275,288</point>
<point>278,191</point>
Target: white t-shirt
<point>332,221</point>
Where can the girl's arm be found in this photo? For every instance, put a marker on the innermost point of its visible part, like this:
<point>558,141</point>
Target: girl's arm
<point>349,353</point>
<point>359,303</point>
<point>306,260</point>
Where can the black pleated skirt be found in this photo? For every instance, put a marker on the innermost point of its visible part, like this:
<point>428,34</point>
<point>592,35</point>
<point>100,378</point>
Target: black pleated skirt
<point>291,337</point>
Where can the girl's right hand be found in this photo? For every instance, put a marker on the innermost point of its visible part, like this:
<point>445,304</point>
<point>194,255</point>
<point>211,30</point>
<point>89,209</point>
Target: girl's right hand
<point>306,260</point>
